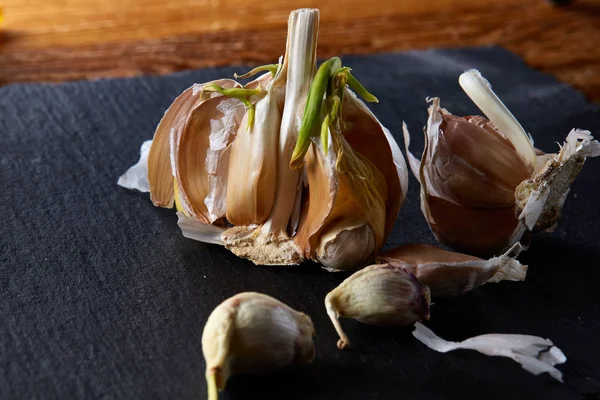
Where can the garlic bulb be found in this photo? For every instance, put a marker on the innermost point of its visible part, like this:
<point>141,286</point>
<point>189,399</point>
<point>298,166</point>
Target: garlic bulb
<point>253,333</point>
<point>452,274</point>
<point>482,184</point>
<point>245,168</point>
<point>381,294</point>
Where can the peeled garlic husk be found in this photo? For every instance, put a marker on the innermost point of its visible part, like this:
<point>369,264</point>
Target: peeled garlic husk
<point>380,294</point>
<point>447,273</point>
<point>483,185</point>
<point>253,333</point>
<point>535,354</point>
<point>223,153</point>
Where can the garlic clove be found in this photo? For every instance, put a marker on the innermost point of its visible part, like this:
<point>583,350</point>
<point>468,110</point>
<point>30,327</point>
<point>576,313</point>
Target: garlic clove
<point>367,136</point>
<point>253,333</point>
<point>346,248</point>
<point>300,65</point>
<point>201,151</point>
<point>447,273</point>
<point>353,207</point>
<point>483,185</point>
<point>380,295</point>
<point>470,148</point>
<point>349,198</point>
<point>160,171</point>
<point>253,163</point>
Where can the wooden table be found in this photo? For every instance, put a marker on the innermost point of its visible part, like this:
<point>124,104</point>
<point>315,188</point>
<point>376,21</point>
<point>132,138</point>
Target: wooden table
<point>56,40</point>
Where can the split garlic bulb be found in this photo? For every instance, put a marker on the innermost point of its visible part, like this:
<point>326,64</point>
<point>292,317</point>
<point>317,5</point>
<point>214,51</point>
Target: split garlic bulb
<point>253,333</point>
<point>482,183</point>
<point>291,166</point>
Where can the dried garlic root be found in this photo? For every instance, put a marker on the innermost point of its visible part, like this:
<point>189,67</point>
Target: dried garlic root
<point>482,183</point>
<point>447,273</point>
<point>253,333</point>
<point>382,294</point>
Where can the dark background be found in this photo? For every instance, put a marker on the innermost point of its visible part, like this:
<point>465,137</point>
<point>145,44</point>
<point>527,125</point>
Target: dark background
<point>101,296</point>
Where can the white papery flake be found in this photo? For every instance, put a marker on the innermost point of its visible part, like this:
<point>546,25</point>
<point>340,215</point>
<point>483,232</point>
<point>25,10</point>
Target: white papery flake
<point>217,156</point>
<point>198,230</point>
<point>136,177</point>
<point>535,354</point>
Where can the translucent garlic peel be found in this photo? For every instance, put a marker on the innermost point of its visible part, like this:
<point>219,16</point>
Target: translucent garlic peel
<point>197,230</point>
<point>253,333</point>
<point>535,354</point>
<point>136,177</point>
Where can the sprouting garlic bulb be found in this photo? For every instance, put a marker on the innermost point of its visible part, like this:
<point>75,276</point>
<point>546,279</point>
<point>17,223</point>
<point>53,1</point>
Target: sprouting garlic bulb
<point>291,166</point>
<point>380,294</point>
<point>253,333</point>
<point>447,273</point>
<point>482,183</point>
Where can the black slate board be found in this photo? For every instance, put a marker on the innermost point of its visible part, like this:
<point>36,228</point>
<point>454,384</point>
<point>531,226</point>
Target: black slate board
<point>101,297</point>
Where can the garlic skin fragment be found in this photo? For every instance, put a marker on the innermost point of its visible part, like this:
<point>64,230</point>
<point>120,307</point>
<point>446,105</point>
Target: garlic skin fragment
<point>535,354</point>
<point>539,200</point>
<point>482,185</point>
<point>253,333</point>
<point>450,274</point>
<point>136,177</point>
<point>381,294</point>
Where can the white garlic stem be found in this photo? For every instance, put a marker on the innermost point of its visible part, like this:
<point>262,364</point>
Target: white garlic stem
<point>481,93</point>
<point>300,63</point>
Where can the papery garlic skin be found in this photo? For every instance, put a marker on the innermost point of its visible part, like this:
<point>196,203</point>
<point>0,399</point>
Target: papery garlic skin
<point>450,274</point>
<point>535,354</point>
<point>539,200</point>
<point>253,333</point>
<point>381,294</point>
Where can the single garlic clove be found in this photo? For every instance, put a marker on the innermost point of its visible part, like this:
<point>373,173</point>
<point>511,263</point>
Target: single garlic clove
<point>465,211</point>
<point>447,273</point>
<point>352,212</point>
<point>380,294</point>
<point>160,171</point>
<point>346,248</point>
<point>253,161</point>
<point>367,136</point>
<point>253,333</point>
<point>483,185</point>
<point>354,198</point>
<point>201,151</point>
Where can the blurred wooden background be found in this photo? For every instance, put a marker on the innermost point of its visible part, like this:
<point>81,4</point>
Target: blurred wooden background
<point>55,40</point>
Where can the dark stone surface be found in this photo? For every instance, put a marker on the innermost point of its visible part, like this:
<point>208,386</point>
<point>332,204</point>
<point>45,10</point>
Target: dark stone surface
<point>101,296</point>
